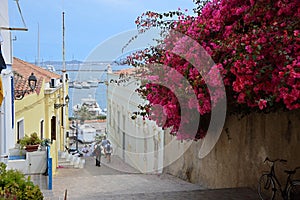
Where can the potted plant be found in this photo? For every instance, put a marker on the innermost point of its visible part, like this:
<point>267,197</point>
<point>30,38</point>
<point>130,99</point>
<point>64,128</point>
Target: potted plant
<point>30,143</point>
<point>45,143</point>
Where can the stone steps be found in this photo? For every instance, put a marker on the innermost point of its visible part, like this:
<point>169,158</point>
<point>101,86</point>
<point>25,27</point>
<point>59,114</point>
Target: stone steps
<point>67,160</point>
<point>65,164</point>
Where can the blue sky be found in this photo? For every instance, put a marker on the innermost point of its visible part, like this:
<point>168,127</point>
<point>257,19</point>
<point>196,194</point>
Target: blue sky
<point>87,24</point>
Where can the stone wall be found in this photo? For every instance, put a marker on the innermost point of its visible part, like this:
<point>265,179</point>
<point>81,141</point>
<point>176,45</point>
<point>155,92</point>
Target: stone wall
<point>237,159</point>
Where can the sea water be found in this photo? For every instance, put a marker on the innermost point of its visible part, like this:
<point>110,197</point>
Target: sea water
<point>88,71</point>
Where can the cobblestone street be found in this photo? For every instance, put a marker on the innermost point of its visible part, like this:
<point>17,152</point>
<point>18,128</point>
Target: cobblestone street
<point>106,182</point>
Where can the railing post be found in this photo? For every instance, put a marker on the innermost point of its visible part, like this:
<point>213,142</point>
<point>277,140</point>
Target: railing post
<point>49,162</point>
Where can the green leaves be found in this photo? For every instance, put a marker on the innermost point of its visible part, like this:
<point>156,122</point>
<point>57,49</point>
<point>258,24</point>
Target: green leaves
<point>33,139</point>
<point>14,185</point>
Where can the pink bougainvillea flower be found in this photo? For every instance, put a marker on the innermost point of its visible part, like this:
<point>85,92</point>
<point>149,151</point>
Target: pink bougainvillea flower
<point>255,44</point>
<point>262,104</point>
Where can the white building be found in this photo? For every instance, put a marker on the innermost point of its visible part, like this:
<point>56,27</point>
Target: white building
<point>140,143</point>
<point>7,108</point>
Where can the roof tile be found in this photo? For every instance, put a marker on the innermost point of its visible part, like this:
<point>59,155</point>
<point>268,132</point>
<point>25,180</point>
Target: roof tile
<point>22,70</point>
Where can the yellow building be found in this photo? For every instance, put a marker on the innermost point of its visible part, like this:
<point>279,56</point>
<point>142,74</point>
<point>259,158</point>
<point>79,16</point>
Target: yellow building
<point>44,110</point>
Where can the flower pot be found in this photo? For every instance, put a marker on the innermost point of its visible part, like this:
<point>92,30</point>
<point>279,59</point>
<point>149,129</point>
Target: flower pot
<point>31,148</point>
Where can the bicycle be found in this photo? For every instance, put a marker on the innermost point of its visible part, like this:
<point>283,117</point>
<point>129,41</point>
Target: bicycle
<point>269,185</point>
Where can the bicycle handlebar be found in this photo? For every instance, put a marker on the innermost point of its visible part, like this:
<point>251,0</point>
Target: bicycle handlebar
<point>291,172</point>
<point>296,168</point>
<point>273,161</point>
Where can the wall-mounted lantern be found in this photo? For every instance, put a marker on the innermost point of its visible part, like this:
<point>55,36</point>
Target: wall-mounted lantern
<point>57,105</point>
<point>19,94</point>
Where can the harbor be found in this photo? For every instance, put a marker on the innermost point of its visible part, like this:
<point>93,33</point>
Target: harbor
<point>85,80</point>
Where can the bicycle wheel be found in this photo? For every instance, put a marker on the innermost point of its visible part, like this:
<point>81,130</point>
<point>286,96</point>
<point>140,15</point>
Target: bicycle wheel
<point>294,191</point>
<point>266,187</point>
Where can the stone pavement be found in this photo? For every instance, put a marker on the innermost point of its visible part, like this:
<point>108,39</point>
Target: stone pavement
<point>106,182</point>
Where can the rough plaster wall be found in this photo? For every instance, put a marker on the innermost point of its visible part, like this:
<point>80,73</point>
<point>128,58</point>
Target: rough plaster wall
<point>237,159</point>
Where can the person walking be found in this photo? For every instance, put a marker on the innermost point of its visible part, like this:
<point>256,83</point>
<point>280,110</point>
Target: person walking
<point>104,142</point>
<point>98,155</point>
<point>108,151</point>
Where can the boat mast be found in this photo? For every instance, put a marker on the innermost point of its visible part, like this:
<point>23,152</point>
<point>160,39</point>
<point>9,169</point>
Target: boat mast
<point>63,43</point>
<point>64,80</point>
<point>38,46</point>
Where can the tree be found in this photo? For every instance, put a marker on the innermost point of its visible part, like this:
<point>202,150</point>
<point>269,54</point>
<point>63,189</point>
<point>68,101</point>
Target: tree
<point>83,114</point>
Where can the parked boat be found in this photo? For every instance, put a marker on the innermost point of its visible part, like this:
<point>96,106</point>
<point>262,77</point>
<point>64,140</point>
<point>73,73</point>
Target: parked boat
<point>77,85</point>
<point>92,106</point>
<point>93,83</point>
<point>85,85</point>
<point>71,84</point>
<point>50,68</point>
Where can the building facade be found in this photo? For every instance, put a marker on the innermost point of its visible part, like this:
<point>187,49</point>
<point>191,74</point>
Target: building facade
<point>44,110</point>
<point>7,107</point>
<point>138,142</point>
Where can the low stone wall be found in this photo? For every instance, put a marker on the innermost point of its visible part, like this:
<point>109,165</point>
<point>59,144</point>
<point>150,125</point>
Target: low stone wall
<point>237,159</point>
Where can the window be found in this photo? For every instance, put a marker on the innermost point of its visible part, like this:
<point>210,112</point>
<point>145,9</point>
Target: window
<point>53,128</point>
<point>42,129</point>
<point>118,123</point>
<point>124,122</point>
<point>20,129</point>
<point>109,113</point>
<point>62,116</point>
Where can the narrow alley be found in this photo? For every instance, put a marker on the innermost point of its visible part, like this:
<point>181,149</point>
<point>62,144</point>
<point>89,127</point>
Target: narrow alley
<point>106,182</point>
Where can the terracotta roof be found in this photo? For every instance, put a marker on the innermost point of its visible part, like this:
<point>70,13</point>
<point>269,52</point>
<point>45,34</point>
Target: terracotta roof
<point>22,70</point>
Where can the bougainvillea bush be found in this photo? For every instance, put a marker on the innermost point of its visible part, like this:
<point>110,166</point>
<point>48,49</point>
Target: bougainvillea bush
<point>254,45</point>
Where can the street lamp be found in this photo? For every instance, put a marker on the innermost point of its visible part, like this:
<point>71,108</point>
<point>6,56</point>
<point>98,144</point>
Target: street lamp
<point>77,131</point>
<point>57,105</point>
<point>19,94</point>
